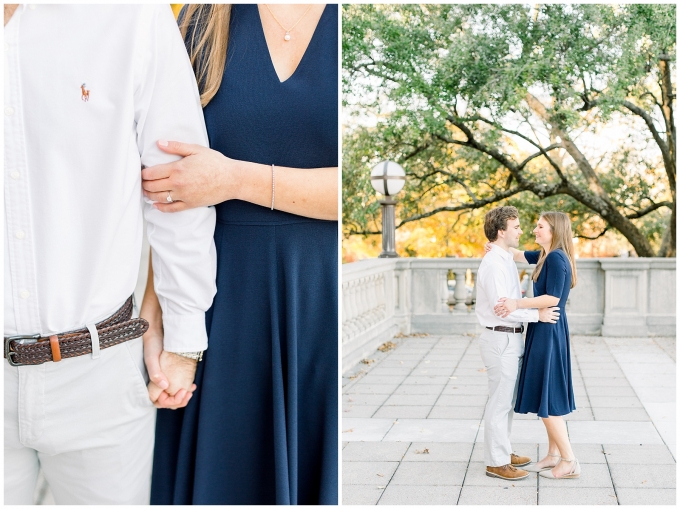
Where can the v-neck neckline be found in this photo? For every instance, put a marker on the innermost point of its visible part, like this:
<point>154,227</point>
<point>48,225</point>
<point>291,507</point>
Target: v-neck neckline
<point>304,55</point>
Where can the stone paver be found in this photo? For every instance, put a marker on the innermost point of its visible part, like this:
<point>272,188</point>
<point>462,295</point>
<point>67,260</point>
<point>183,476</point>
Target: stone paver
<point>568,495</point>
<point>353,494</point>
<point>441,430</point>
<point>608,432</point>
<point>620,414</point>
<point>646,496</point>
<point>437,451</point>
<point>433,473</point>
<point>643,476</point>
<point>485,495</point>
<point>638,454</point>
<point>415,432</point>
<point>368,472</point>
<point>374,451</point>
<point>420,495</point>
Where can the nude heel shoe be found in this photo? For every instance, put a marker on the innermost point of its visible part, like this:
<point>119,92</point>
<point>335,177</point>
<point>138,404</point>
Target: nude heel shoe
<point>534,468</point>
<point>574,473</point>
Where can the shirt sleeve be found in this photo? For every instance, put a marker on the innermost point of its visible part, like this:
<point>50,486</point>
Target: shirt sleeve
<point>167,106</point>
<point>556,273</point>
<point>496,287</point>
<point>532,256</point>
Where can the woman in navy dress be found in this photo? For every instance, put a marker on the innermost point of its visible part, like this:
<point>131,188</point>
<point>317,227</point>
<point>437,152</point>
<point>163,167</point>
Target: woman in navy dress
<point>262,425</point>
<point>545,386</point>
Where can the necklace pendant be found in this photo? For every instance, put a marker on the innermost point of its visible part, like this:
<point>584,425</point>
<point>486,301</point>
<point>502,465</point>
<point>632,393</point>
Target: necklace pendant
<point>286,37</point>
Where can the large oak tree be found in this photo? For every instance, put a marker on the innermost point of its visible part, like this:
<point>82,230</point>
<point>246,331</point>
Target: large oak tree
<point>550,106</point>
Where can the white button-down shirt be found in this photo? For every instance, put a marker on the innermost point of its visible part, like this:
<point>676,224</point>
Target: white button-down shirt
<point>89,89</point>
<point>497,277</point>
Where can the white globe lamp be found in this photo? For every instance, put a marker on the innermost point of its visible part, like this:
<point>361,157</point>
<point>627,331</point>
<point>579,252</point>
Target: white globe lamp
<point>388,178</point>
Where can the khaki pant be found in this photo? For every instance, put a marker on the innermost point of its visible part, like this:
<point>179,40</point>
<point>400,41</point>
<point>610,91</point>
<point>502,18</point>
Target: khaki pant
<point>502,356</point>
<point>88,423</point>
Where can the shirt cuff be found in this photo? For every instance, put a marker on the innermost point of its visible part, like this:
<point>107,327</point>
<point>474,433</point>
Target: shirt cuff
<point>524,315</point>
<point>185,333</point>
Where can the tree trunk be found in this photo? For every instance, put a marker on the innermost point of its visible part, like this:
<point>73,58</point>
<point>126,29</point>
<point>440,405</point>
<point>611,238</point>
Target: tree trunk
<point>668,244</point>
<point>614,218</point>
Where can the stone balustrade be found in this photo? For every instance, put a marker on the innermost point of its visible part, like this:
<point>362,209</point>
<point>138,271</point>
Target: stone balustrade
<point>382,297</point>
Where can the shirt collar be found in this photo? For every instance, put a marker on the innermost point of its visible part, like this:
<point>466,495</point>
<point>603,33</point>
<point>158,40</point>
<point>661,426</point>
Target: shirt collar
<point>506,255</point>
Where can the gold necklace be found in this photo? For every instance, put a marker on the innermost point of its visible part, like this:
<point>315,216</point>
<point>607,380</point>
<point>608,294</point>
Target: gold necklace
<point>286,37</point>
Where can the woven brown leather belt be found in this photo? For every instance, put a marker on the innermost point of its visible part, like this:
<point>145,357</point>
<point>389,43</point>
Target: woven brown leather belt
<point>501,328</point>
<point>33,350</point>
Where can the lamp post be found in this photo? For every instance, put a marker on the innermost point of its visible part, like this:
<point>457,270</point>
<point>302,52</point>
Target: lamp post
<point>388,178</point>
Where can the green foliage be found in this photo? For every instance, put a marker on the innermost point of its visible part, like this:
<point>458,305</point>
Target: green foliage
<point>416,69</point>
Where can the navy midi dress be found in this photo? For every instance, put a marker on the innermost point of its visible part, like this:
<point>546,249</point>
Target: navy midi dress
<point>545,386</point>
<point>262,426</point>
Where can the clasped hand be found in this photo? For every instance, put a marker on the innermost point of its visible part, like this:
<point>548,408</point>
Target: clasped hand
<point>171,376</point>
<point>505,306</point>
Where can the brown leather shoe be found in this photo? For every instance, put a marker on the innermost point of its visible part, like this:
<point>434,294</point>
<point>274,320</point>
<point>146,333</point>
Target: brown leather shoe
<point>519,461</point>
<point>507,472</point>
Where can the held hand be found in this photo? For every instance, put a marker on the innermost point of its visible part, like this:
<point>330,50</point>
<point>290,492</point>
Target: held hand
<point>549,315</point>
<point>159,364</point>
<point>180,372</point>
<point>487,247</point>
<point>504,307</point>
<point>198,180</point>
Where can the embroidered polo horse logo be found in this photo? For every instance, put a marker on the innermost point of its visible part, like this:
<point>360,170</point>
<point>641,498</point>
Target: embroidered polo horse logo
<point>86,93</point>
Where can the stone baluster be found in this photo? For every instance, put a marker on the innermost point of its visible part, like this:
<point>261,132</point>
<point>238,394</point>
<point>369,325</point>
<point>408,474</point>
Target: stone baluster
<point>473,277</point>
<point>460,292</point>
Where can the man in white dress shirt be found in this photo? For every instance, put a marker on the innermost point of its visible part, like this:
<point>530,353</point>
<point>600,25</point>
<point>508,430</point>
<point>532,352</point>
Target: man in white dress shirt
<point>89,92</point>
<point>501,343</point>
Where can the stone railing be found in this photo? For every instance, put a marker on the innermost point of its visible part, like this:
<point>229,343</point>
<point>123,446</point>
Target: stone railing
<point>381,297</point>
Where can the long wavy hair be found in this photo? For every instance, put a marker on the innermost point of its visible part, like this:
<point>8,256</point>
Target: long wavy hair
<point>560,227</point>
<point>207,26</point>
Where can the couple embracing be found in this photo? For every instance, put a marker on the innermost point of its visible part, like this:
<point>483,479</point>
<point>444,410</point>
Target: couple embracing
<point>237,329</point>
<point>532,376</point>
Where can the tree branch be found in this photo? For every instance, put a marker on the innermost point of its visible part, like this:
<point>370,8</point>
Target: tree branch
<point>665,152</point>
<point>466,206</point>
<point>641,213</point>
<point>593,238</point>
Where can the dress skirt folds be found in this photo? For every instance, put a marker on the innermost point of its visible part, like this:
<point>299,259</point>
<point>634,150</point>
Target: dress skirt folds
<point>545,386</point>
<point>262,426</point>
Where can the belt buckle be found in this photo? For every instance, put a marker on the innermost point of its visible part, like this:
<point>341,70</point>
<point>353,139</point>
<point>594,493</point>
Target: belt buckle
<point>22,340</point>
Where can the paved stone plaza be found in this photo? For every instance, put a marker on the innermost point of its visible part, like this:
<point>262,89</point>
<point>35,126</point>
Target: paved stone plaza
<point>412,426</point>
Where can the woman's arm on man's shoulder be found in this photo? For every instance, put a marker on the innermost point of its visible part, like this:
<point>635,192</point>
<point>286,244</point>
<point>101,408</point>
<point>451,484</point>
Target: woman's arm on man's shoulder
<point>518,256</point>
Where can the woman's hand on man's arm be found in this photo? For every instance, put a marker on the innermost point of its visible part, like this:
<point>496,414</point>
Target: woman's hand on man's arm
<point>206,177</point>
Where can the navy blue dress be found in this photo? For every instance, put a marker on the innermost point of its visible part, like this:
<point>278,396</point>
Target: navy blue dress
<point>545,386</point>
<point>262,426</point>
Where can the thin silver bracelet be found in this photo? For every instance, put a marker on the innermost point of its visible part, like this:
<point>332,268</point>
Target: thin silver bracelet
<point>272,187</point>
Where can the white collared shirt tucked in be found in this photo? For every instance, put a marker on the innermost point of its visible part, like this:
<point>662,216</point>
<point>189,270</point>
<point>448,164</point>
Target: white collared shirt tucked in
<point>497,277</point>
<point>89,89</point>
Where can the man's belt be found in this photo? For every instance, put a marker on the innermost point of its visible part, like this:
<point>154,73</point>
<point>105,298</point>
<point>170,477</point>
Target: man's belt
<point>33,350</point>
<point>501,328</point>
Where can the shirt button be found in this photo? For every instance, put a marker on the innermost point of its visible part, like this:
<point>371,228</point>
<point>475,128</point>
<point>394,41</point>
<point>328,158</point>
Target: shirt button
<point>24,294</point>
<point>20,234</point>
<point>15,175</point>
<point>9,111</point>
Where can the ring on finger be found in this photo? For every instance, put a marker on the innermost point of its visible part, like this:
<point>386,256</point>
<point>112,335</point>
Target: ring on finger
<point>169,198</point>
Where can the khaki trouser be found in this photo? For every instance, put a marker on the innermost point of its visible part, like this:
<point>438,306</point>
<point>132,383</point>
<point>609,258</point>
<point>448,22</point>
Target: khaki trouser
<point>502,355</point>
<point>88,423</point>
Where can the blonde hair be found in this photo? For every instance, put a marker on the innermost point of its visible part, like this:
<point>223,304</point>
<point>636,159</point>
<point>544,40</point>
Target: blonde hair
<point>207,44</point>
<point>560,227</point>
